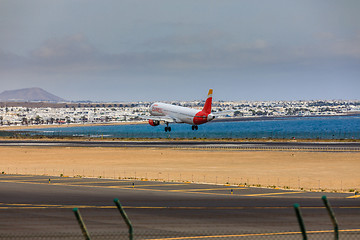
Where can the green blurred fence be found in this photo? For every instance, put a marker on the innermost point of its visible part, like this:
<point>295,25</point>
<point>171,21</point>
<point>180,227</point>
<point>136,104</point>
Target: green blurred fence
<point>186,231</point>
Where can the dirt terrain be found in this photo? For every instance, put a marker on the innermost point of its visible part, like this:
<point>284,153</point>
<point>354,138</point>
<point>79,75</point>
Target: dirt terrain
<point>295,170</point>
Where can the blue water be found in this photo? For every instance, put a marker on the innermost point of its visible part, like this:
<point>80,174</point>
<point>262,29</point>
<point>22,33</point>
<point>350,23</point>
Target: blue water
<point>345,127</point>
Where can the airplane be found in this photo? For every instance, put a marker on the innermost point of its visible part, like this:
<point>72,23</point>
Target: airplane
<point>167,113</point>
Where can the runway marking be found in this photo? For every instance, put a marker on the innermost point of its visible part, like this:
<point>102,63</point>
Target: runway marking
<point>270,194</point>
<point>121,187</point>
<point>60,207</point>
<point>128,186</point>
<point>235,208</point>
<point>19,176</point>
<point>190,192</point>
<point>153,188</point>
<point>32,206</point>
<point>162,184</point>
<point>222,208</point>
<point>79,183</point>
<point>83,184</point>
<point>355,196</point>
<point>205,189</point>
<point>253,234</point>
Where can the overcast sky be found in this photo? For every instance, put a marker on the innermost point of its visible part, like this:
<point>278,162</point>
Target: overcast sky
<point>176,50</point>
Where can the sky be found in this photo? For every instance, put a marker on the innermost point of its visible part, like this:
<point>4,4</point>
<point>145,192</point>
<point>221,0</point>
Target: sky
<point>133,50</point>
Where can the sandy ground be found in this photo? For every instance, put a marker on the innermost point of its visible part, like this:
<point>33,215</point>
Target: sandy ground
<point>308,170</point>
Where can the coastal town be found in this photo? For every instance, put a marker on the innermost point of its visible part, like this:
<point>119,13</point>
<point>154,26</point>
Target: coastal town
<point>47,113</point>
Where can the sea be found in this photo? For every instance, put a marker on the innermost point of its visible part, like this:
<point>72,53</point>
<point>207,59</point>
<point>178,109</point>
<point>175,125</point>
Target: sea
<point>329,127</point>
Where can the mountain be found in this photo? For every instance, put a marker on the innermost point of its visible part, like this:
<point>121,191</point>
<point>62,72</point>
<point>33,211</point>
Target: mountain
<point>29,95</point>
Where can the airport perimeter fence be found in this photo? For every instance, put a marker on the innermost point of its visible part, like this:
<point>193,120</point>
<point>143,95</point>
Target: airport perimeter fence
<point>187,231</point>
<point>324,135</point>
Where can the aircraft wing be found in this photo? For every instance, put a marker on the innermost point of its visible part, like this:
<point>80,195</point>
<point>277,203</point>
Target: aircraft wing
<point>160,118</point>
<point>223,113</point>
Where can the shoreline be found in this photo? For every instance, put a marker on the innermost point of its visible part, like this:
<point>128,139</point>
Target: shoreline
<point>232,119</point>
<point>45,126</point>
<point>235,140</point>
<point>272,118</point>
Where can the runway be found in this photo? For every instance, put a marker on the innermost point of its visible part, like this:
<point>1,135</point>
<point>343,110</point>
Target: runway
<point>233,145</point>
<point>30,205</point>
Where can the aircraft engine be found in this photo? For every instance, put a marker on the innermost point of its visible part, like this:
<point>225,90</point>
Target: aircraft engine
<point>154,122</point>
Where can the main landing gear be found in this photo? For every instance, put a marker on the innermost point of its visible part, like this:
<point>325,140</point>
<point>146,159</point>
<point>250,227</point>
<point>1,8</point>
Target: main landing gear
<point>167,128</point>
<point>194,127</point>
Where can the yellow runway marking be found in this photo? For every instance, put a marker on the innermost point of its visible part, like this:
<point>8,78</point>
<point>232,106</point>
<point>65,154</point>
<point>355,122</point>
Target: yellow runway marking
<point>355,196</point>
<point>231,208</point>
<point>19,176</point>
<point>32,206</point>
<point>190,192</point>
<point>58,207</point>
<point>254,234</point>
<point>137,187</point>
<point>270,194</point>
<point>81,182</point>
<point>162,184</point>
<point>72,184</point>
<point>15,181</point>
<point>84,184</point>
<point>224,194</point>
<point>154,188</point>
<point>203,189</point>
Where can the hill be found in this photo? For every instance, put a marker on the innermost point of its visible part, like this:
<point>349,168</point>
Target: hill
<point>29,95</point>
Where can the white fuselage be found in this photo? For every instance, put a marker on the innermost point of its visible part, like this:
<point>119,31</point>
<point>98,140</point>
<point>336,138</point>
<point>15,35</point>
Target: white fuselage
<point>178,113</point>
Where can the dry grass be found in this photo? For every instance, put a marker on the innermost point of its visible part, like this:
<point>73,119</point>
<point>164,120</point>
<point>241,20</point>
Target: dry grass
<point>308,170</point>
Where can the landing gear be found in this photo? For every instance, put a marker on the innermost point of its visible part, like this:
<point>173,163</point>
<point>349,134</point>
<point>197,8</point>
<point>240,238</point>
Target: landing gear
<point>194,127</point>
<point>167,128</point>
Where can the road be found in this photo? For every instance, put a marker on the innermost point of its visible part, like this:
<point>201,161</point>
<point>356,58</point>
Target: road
<point>30,205</point>
<point>268,145</point>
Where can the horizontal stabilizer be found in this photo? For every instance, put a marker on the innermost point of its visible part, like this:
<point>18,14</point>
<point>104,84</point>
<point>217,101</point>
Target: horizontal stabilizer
<point>222,113</point>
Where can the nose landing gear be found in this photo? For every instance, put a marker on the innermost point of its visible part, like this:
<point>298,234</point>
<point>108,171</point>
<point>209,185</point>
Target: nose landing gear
<point>167,128</point>
<point>194,127</point>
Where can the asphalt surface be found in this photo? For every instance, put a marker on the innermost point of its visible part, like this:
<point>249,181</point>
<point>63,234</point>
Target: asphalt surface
<point>306,146</point>
<point>33,206</point>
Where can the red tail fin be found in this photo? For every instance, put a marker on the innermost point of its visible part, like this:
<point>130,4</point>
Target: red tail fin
<point>207,106</point>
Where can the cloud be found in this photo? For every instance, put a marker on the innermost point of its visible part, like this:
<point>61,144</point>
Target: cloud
<point>75,46</point>
<point>10,61</point>
<point>185,42</point>
<point>199,52</point>
<point>346,47</point>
